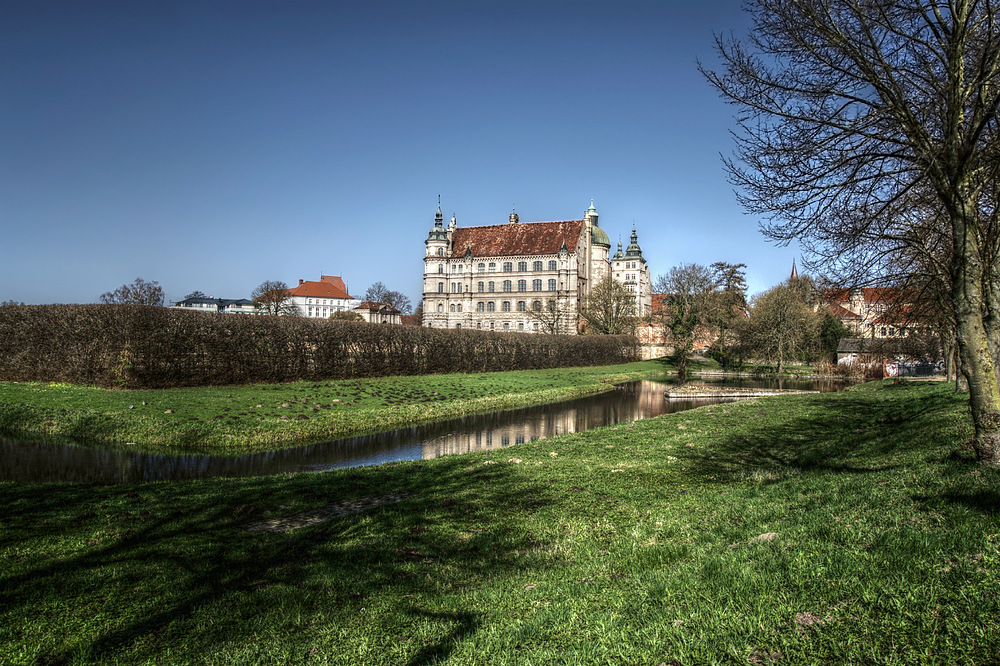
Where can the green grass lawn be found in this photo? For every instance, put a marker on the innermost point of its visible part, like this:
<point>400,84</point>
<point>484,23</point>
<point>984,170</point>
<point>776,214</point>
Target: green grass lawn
<point>253,418</point>
<point>830,528</point>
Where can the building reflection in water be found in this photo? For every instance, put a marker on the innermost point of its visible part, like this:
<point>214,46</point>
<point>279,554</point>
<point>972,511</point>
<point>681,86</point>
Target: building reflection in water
<point>34,462</point>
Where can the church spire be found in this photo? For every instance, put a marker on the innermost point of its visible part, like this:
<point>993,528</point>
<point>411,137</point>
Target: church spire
<point>795,271</point>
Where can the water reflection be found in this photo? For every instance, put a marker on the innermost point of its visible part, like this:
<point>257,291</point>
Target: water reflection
<point>32,462</point>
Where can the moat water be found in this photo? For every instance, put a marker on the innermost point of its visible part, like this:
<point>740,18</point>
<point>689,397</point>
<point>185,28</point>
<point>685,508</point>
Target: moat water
<point>42,462</point>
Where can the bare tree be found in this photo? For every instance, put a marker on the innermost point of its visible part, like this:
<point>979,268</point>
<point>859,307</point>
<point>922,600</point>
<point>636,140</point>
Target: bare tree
<point>196,294</point>
<point>782,326</point>
<point>139,292</point>
<point>688,290</point>
<point>379,293</point>
<point>846,109</point>
<point>609,309</point>
<point>271,297</point>
<point>550,317</point>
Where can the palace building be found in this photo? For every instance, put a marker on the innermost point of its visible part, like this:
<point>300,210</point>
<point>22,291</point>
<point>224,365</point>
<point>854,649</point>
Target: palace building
<point>518,276</point>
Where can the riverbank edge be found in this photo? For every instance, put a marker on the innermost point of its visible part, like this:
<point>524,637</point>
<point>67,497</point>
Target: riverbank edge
<point>800,535</point>
<point>38,420</point>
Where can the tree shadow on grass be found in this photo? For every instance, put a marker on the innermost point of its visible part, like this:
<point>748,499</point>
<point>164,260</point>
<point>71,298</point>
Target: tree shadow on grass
<point>845,433</point>
<point>176,566</point>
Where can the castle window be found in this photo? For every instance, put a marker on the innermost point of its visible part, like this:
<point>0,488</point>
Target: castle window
<point>520,326</point>
<point>491,286</point>
<point>479,324</point>
<point>440,251</point>
<point>507,267</point>
<point>536,266</point>
<point>459,307</point>
<point>552,265</point>
<point>452,307</point>
<point>491,326</point>
<point>493,267</point>
<point>522,265</point>
<point>552,285</point>
<point>520,306</point>
<point>456,287</point>
<point>522,285</point>
<point>440,307</point>
<point>536,285</point>
<point>536,306</point>
<point>480,306</point>
<point>506,285</point>
<point>458,324</point>
<point>454,268</point>
<point>481,268</point>
<point>440,287</point>
<point>491,307</point>
<point>480,286</point>
<point>506,306</point>
<point>506,326</point>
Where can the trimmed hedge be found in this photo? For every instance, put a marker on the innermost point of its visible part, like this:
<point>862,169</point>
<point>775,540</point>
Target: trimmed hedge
<point>131,346</point>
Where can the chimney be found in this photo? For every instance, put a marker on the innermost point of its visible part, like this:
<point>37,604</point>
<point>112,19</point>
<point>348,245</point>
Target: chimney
<point>301,281</point>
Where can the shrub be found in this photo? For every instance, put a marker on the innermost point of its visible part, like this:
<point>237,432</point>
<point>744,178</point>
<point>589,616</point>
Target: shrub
<point>129,346</point>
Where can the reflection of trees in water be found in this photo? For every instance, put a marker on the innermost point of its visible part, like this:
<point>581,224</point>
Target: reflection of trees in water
<point>630,402</point>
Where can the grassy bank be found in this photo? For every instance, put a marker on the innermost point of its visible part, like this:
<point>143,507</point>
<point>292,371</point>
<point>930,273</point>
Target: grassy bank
<point>251,418</point>
<point>832,528</point>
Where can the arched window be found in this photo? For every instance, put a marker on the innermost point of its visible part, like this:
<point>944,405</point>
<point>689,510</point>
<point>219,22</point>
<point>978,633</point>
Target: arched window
<point>536,306</point>
<point>452,307</point>
<point>440,287</point>
<point>459,307</point>
<point>508,267</point>
<point>440,307</point>
<point>440,268</point>
<point>506,285</point>
<point>491,307</point>
<point>536,285</point>
<point>552,285</point>
<point>458,324</point>
<point>440,251</point>
<point>480,286</point>
<point>481,268</point>
<point>480,306</point>
<point>536,266</point>
<point>522,285</point>
<point>522,265</point>
<point>552,265</point>
<point>491,286</point>
<point>493,267</point>
<point>506,306</point>
<point>520,306</point>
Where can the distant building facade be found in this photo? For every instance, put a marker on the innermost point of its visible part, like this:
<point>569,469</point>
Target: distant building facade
<point>379,313</point>
<point>630,269</point>
<point>872,312</point>
<point>319,300</point>
<point>224,305</point>
<point>519,276</point>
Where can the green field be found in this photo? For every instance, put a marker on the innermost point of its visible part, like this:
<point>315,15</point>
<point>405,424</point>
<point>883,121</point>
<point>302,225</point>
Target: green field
<point>253,418</point>
<point>831,528</point>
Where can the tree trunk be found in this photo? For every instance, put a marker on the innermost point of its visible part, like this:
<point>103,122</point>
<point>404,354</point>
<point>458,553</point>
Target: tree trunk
<point>973,343</point>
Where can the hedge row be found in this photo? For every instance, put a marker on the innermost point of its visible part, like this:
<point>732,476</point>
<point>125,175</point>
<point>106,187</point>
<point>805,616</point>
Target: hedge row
<point>129,346</point>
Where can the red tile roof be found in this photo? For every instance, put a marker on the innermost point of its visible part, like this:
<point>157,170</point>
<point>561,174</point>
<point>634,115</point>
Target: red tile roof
<point>375,306</point>
<point>528,238</point>
<point>871,294</point>
<point>329,286</point>
<point>841,313</point>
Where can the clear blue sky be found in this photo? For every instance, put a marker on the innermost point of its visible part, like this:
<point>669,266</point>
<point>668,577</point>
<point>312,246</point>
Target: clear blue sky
<point>214,145</point>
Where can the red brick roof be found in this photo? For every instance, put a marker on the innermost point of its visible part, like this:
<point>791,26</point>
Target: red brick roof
<point>329,286</point>
<point>529,238</point>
